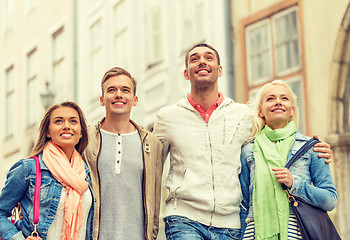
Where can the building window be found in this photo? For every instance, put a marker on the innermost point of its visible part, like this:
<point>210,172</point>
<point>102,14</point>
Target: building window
<point>273,51</point>
<point>8,14</point>
<point>153,33</point>
<point>295,83</point>
<point>58,69</point>
<point>32,88</point>
<point>9,102</point>
<point>286,44</point>
<point>276,53</point>
<point>192,22</point>
<point>258,51</point>
<point>120,37</point>
<point>96,63</point>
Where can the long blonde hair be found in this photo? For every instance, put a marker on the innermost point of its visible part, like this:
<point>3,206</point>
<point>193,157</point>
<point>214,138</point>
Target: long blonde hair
<point>256,104</point>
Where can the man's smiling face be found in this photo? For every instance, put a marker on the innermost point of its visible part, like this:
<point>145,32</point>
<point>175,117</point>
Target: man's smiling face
<point>203,68</point>
<point>118,95</point>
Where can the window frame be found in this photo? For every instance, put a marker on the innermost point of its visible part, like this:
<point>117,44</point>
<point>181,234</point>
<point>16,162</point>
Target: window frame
<point>8,15</point>
<point>191,13</point>
<point>95,52</point>
<point>269,50</point>
<point>273,18</point>
<point>151,33</point>
<point>31,78</point>
<point>271,14</point>
<point>59,85</point>
<point>9,97</point>
<point>121,35</point>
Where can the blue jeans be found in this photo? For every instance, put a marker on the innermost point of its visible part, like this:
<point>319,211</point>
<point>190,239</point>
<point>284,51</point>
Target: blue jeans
<point>178,227</point>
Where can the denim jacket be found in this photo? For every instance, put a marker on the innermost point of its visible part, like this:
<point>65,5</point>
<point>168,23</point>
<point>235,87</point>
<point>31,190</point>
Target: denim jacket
<point>308,169</point>
<point>19,187</point>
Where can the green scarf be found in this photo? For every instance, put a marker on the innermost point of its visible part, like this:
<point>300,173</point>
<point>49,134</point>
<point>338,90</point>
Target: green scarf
<point>270,203</point>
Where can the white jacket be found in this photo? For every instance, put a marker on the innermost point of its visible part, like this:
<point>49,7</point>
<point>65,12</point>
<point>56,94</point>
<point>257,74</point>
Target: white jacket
<point>203,178</point>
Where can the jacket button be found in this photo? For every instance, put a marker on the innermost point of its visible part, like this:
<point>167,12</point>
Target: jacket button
<point>147,149</point>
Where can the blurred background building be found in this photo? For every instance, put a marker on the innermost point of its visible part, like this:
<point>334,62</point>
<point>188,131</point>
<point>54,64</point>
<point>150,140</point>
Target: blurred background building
<point>57,50</point>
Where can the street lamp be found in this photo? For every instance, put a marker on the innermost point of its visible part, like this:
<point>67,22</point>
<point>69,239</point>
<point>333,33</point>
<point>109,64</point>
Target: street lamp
<point>47,97</point>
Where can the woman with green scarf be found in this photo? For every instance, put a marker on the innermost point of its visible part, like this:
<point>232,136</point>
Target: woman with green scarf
<point>274,140</point>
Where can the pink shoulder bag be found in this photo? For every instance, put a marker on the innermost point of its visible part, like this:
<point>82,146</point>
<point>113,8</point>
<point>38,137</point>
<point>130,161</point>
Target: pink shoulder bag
<point>36,197</point>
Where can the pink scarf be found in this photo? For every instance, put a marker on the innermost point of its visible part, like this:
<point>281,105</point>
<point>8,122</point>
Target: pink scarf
<point>72,176</point>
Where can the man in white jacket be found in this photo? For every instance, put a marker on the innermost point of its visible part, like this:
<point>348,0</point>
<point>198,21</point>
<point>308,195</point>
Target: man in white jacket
<point>204,132</point>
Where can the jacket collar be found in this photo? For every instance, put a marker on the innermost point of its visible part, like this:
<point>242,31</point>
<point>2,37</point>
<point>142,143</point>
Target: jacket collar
<point>42,164</point>
<point>300,137</point>
<point>183,102</point>
<point>143,133</point>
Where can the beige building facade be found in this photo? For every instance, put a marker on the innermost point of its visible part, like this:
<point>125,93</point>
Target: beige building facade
<point>70,44</point>
<point>306,44</point>
<point>36,46</point>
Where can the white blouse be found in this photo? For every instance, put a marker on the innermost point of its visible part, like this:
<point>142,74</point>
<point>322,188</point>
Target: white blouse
<point>55,230</point>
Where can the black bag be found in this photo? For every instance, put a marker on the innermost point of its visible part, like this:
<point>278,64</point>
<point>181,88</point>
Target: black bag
<point>314,223</point>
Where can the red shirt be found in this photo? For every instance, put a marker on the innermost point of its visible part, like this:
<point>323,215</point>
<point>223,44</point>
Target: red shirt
<point>205,113</point>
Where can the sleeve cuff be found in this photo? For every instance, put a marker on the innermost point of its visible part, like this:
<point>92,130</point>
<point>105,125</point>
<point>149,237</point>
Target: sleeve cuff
<point>296,185</point>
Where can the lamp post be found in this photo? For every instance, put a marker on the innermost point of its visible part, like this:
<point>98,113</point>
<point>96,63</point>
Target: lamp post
<point>47,97</point>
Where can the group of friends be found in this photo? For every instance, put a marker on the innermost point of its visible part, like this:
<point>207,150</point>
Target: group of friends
<point>226,166</point>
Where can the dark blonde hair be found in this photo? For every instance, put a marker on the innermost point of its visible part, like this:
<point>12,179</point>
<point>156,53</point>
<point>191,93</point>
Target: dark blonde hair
<point>201,45</point>
<point>44,128</point>
<point>116,71</point>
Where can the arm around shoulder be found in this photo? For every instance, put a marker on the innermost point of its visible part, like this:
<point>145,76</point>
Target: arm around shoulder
<point>320,191</point>
<point>322,178</point>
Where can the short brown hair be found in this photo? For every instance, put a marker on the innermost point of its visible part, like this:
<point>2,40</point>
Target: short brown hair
<point>116,71</point>
<point>201,45</point>
<point>44,128</point>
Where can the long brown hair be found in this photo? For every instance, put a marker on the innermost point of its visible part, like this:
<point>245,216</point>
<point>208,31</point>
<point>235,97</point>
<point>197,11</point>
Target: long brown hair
<point>44,128</point>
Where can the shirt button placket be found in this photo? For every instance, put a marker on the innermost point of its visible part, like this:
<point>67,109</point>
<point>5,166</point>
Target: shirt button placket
<point>118,157</point>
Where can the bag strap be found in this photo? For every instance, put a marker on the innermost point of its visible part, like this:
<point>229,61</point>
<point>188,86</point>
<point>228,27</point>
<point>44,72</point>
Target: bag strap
<point>300,153</point>
<point>36,196</point>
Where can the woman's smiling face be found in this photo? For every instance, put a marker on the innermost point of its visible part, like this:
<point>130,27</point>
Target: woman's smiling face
<point>65,129</point>
<point>276,106</point>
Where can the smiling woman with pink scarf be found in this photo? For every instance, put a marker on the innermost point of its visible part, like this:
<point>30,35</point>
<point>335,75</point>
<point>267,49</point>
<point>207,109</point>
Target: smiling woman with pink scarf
<point>66,200</point>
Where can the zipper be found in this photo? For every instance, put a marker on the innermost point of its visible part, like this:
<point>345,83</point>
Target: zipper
<point>175,192</point>
<point>175,199</point>
<point>212,173</point>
